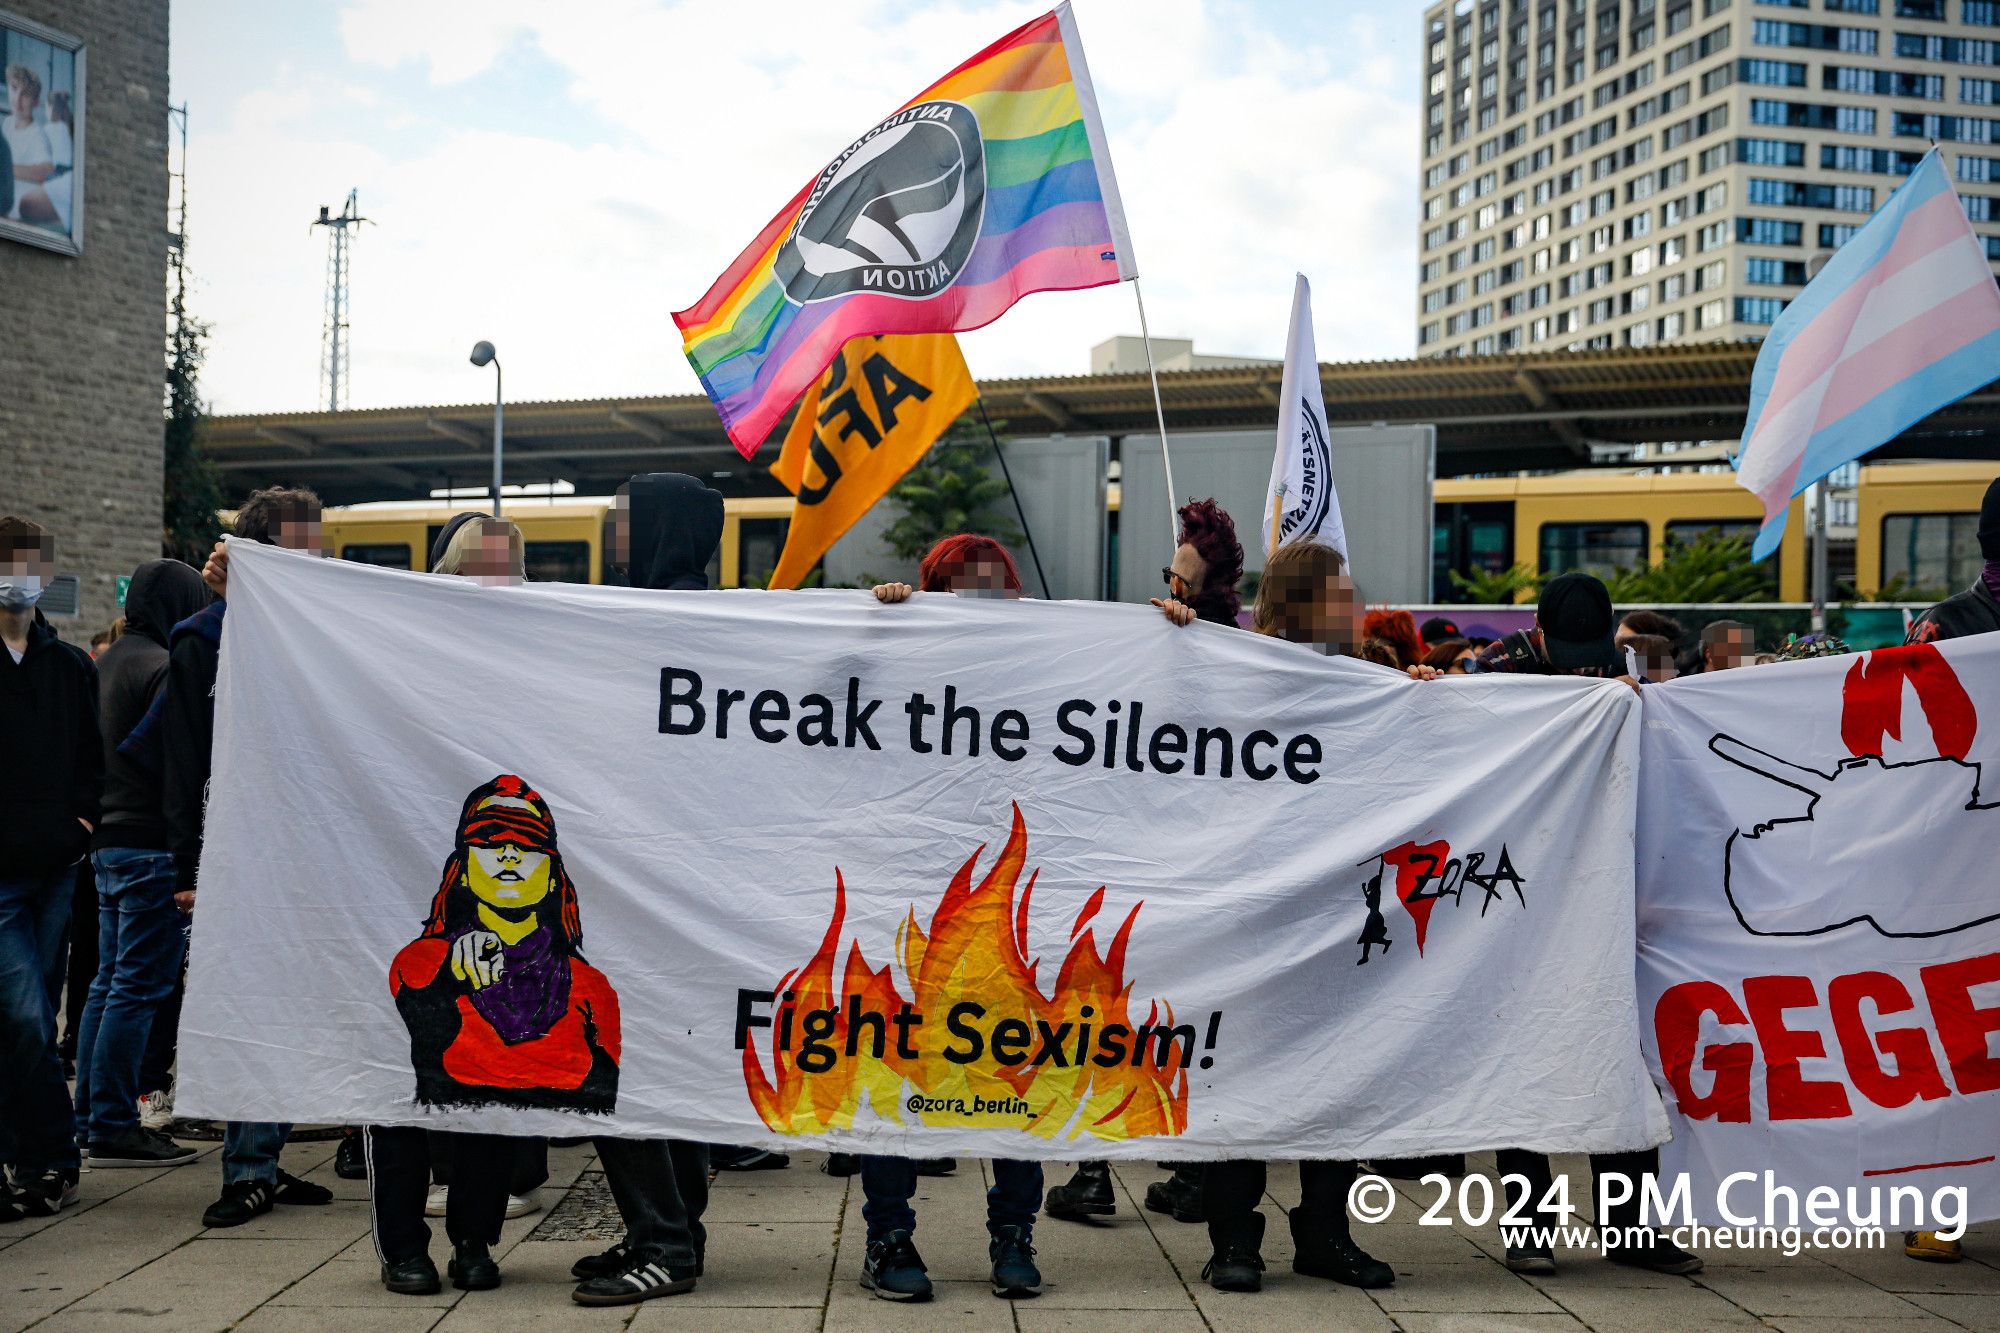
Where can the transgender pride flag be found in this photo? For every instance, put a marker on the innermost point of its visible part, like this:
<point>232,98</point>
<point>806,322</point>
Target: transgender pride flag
<point>992,183</point>
<point>1903,320</point>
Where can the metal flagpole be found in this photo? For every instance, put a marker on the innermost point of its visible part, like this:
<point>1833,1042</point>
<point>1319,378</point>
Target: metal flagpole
<point>1819,565</point>
<point>1008,473</point>
<point>1159,412</point>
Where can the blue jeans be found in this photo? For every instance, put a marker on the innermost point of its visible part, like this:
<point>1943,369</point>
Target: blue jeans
<point>36,1117</point>
<point>141,939</point>
<point>250,1150</point>
<point>888,1183</point>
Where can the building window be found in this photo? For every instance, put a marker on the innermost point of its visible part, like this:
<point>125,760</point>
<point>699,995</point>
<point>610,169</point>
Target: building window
<point>1980,169</point>
<point>1599,548</point>
<point>1833,235</point>
<point>1986,13</point>
<point>1760,272</point>
<point>1853,6</point>
<point>1710,314</point>
<point>1672,287</point>
<point>1758,309</point>
<point>1920,9</point>
<point>1778,73</point>
<point>1771,152</point>
<point>1763,231</point>
<point>1671,326</point>
<point>1931,551</point>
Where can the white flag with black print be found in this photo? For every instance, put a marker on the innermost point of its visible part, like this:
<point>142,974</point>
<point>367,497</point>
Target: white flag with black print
<point>1301,504</point>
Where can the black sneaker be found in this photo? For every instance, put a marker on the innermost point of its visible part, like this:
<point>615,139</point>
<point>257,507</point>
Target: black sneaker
<point>936,1166</point>
<point>1657,1254</point>
<point>746,1159</point>
<point>1535,1260</point>
<point>841,1164</point>
<point>1178,1196</point>
<point>1235,1268</point>
<point>642,1278</point>
<point>1014,1271</point>
<point>412,1277</point>
<point>11,1203</point>
<point>301,1193</point>
<point>139,1147</point>
<point>472,1267</point>
<point>893,1269</point>
<point>613,1260</point>
<point>241,1201</point>
<point>46,1194</point>
<point>350,1159</point>
<point>1088,1194</point>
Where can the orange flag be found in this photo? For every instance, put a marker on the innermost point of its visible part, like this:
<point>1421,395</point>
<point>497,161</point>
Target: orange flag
<point>862,425</point>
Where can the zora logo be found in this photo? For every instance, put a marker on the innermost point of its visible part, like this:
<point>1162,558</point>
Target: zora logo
<point>897,213</point>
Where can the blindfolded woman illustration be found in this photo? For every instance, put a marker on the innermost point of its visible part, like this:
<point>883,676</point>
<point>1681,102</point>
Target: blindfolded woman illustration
<point>501,1006</point>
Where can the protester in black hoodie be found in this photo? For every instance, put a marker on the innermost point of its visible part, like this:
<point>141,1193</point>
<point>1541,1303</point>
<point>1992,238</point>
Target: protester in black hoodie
<point>665,530</point>
<point>179,734</point>
<point>141,937</point>
<point>49,791</point>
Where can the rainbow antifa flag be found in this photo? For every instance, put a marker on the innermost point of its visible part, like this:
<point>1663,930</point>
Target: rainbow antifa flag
<point>992,183</point>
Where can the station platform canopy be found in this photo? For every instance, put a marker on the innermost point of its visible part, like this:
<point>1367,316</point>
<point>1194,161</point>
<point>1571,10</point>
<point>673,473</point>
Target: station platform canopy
<point>1494,414</point>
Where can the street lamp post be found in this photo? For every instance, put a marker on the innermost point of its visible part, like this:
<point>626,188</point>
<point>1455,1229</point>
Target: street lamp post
<point>482,352</point>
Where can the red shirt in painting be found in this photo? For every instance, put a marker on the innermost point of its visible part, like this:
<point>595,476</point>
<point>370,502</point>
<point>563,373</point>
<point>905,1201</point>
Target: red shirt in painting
<point>561,1058</point>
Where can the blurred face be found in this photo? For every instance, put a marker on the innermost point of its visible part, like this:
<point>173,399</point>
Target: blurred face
<point>25,573</point>
<point>1659,667</point>
<point>621,530</point>
<point>1330,620</point>
<point>1186,574</point>
<point>491,559</point>
<point>1736,647</point>
<point>506,877</point>
<point>24,102</point>
<point>981,578</point>
<point>298,530</point>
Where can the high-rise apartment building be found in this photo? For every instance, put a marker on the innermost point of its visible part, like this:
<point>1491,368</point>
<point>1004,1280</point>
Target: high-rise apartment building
<point>1616,173</point>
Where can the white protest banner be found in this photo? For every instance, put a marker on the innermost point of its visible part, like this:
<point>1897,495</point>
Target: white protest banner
<point>1819,933</point>
<point>1301,504</point>
<point>1003,878</point>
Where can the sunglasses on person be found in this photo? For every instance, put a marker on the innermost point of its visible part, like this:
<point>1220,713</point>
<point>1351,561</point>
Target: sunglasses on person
<point>1174,577</point>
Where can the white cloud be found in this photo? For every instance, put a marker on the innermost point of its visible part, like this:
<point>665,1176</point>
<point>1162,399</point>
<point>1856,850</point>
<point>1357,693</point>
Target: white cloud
<point>1241,155</point>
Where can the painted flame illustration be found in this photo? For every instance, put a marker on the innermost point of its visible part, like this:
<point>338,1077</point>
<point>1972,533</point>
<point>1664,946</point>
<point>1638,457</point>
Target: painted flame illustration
<point>974,948</point>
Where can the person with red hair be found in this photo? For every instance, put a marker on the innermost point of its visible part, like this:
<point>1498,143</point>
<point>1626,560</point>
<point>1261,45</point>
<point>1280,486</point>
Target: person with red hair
<point>964,563</point>
<point>1207,566</point>
<point>1399,628</point>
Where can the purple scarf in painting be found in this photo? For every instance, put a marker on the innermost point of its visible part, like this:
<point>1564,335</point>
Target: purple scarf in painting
<point>532,992</point>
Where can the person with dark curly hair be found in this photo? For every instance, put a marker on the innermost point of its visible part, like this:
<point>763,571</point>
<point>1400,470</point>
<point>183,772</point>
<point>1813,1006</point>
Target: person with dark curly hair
<point>1207,566</point>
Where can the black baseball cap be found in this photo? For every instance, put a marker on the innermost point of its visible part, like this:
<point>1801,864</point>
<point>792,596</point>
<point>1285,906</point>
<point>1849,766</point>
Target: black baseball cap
<point>1437,629</point>
<point>1576,623</point>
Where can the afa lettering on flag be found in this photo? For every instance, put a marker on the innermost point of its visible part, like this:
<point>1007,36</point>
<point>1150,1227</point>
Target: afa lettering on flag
<point>1301,504</point>
<point>868,420</point>
<point>987,876</point>
<point>1819,926</point>
<point>992,183</point>
<point>1903,320</point>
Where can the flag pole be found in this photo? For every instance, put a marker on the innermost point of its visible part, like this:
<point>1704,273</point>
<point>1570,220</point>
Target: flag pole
<point>1819,557</point>
<point>1160,414</point>
<point>1008,473</point>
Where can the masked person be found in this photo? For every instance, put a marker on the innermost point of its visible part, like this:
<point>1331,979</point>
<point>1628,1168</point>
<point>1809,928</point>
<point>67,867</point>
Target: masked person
<point>665,529</point>
<point>1306,597</point>
<point>178,735</point>
<point>141,934</point>
<point>49,790</point>
<point>967,565</point>
<point>1974,611</point>
<point>1573,636</point>
<point>1201,585</point>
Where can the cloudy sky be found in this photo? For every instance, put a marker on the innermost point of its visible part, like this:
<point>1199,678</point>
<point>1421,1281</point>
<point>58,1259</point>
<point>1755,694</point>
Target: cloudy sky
<point>560,177</point>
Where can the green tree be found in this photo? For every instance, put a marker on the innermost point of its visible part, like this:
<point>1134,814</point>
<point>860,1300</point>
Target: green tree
<point>1898,589</point>
<point>1712,568</point>
<point>950,490</point>
<point>193,490</point>
<point>1488,587</point>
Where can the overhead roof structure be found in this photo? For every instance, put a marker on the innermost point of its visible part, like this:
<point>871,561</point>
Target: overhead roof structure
<point>1493,414</point>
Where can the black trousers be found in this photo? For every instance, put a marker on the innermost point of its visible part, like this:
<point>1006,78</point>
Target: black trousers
<point>399,1176</point>
<point>1535,1167</point>
<point>661,1186</point>
<point>82,955</point>
<point>1230,1192</point>
<point>527,1165</point>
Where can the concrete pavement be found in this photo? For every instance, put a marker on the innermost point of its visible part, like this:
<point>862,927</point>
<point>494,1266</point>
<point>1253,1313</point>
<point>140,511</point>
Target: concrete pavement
<point>785,1248</point>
